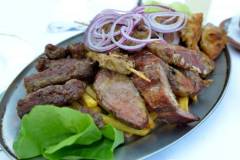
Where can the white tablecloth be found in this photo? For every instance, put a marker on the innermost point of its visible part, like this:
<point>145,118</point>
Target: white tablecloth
<point>216,138</point>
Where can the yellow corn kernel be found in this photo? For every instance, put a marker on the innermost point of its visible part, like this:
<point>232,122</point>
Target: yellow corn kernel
<point>183,103</point>
<point>123,127</point>
<point>89,90</point>
<point>89,101</point>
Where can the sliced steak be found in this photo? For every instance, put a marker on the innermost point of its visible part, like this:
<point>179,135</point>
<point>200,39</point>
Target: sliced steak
<point>117,94</point>
<point>77,50</point>
<point>157,93</point>
<point>197,81</point>
<point>177,117</point>
<point>46,63</point>
<point>60,72</point>
<point>55,52</point>
<point>54,94</point>
<point>183,57</point>
<point>180,84</point>
<point>42,63</point>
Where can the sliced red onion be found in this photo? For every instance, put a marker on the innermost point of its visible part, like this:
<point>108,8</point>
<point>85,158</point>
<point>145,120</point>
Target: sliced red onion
<point>166,28</point>
<point>97,39</point>
<point>129,18</point>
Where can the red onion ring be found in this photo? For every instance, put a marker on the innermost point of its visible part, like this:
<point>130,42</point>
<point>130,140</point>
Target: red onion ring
<point>166,28</point>
<point>97,39</point>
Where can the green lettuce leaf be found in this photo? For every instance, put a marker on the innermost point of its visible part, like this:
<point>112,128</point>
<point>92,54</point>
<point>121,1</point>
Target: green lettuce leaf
<point>100,150</point>
<point>178,6</point>
<point>152,9</point>
<point>52,131</point>
<point>113,134</point>
<point>181,7</point>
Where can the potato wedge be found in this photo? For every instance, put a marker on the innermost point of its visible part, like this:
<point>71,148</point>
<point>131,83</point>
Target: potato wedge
<point>123,127</point>
<point>183,103</point>
<point>89,101</point>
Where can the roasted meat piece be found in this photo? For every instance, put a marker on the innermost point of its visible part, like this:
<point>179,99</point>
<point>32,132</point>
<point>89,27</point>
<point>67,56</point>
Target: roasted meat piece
<point>191,33</point>
<point>51,64</point>
<point>213,40</point>
<point>179,116</point>
<point>41,63</point>
<point>114,61</point>
<point>54,94</point>
<point>117,94</point>
<point>62,71</point>
<point>55,52</point>
<point>76,50</point>
<point>157,93</point>
<point>183,57</point>
<point>180,84</point>
<point>197,81</point>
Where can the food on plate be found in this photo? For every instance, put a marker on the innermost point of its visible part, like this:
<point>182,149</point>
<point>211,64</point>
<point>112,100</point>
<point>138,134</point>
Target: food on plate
<point>60,72</point>
<point>118,95</point>
<point>133,71</point>
<point>191,33</point>
<point>59,95</point>
<point>182,57</point>
<point>213,40</point>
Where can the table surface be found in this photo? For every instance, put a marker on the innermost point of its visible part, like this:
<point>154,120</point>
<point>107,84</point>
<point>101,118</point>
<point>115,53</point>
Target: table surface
<point>216,138</point>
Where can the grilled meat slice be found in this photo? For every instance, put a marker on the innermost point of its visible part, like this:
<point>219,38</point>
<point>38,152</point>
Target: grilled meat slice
<point>213,40</point>
<point>180,84</point>
<point>76,50</point>
<point>191,33</point>
<point>157,93</point>
<point>197,81</point>
<point>62,71</point>
<point>117,94</point>
<point>54,94</point>
<point>41,63</point>
<point>55,52</point>
<point>51,64</point>
<point>114,61</point>
<point>179,116</point>
<point>183,57</point>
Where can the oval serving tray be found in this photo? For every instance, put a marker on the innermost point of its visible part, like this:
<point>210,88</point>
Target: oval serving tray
<point>144,147</point>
